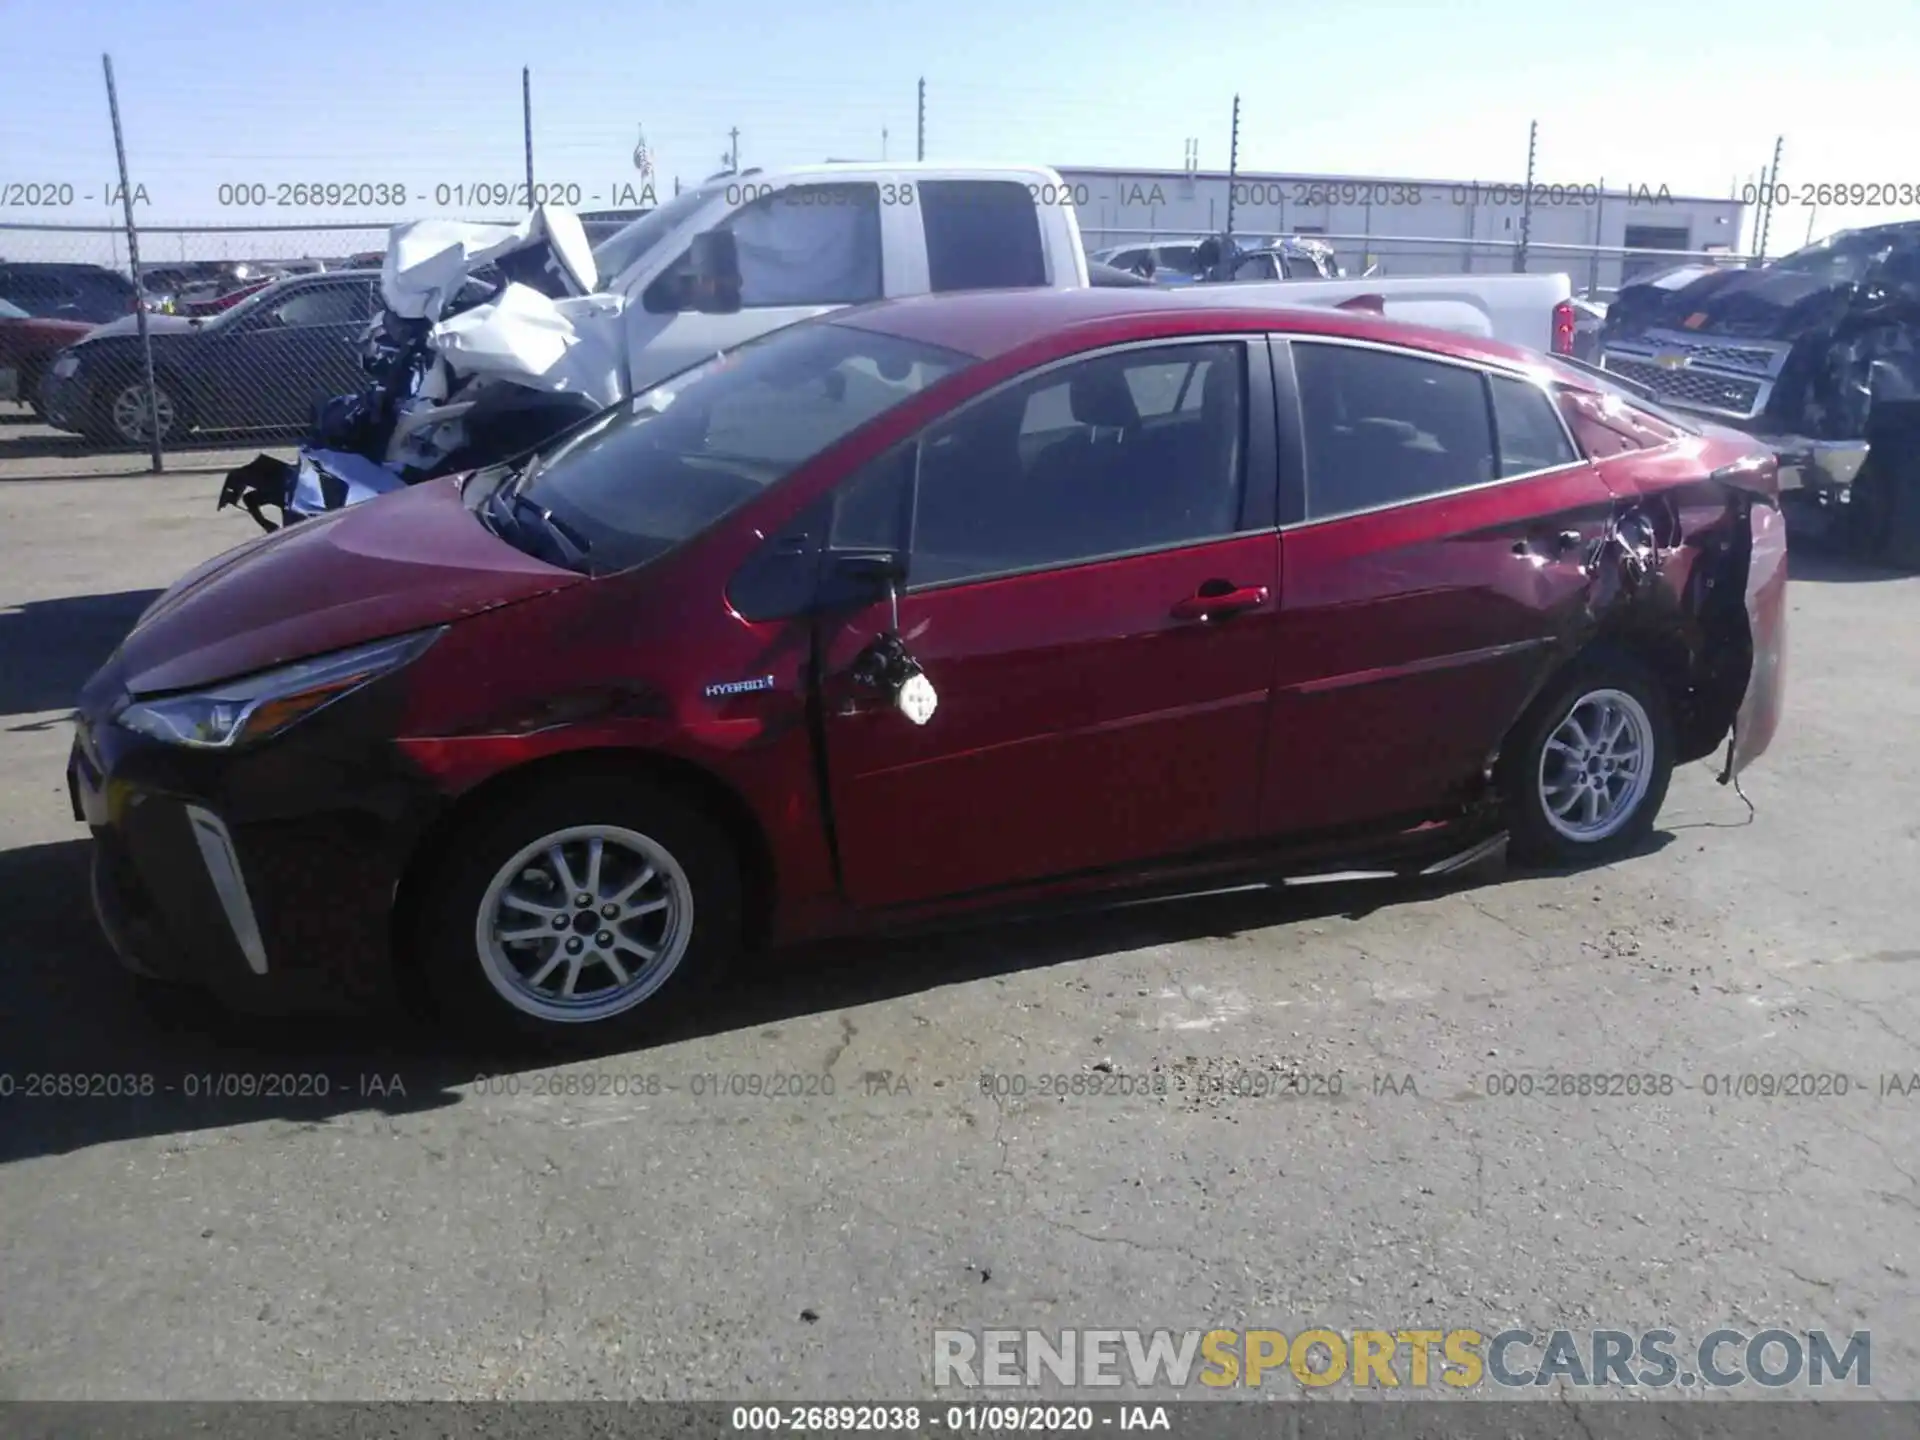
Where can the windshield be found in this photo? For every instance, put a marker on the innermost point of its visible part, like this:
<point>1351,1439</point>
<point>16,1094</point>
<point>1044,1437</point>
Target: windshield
<point>618,251</point>
<point>266,294</point>
<point>1841,259</point>
<point>651,472</point>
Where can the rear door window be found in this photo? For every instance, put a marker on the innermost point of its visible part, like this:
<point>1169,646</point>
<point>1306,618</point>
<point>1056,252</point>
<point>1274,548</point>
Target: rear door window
<point>981,235</point>
<point>1383,428</point>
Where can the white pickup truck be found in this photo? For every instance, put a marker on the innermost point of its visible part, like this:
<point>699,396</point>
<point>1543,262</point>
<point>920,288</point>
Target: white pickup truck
<point>745,254</point>
<point>576,328</point>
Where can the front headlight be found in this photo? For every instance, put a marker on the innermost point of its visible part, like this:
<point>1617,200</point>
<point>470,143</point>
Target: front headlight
<point>256,706</point>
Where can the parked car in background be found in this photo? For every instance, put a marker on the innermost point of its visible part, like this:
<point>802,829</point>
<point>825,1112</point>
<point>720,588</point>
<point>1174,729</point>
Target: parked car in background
<point>1818,353</point>
<point>262,365</point>
<point>859,622</point>
<point>61,291</point>
<point>27,346</point>
<point>1285,257</point>
<point>1171,262</point>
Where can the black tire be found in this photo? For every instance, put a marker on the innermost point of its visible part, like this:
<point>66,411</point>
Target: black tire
<point>454,963</point>
<point>1526,771</point>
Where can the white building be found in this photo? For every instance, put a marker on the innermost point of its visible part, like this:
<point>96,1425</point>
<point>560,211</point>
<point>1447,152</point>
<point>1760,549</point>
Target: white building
<point>1413,226</point>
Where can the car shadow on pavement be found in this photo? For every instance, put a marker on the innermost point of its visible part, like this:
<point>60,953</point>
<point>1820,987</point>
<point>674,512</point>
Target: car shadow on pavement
<point>1819,565</point>
<point>52,647</point>
<point>89,1057</point>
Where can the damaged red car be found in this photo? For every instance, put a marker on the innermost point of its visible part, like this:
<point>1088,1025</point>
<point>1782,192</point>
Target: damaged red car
<point>941,604</point>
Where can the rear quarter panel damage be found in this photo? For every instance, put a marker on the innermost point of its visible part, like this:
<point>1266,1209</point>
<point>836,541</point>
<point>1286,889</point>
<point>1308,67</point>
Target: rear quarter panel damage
<point>1691,576</point>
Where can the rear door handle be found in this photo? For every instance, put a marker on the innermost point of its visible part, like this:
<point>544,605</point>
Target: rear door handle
<point>1220,598</point>
<point>1556,545</point>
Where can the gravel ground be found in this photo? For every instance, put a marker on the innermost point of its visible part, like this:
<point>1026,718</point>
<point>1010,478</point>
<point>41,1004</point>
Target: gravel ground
<point>420,1233</point>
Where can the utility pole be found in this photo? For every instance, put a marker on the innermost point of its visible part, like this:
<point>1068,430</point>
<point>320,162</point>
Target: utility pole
<point>526,121</point>
<point>133,263</point>
<point>733,151</point>
<point>1526,201</point>
<point>883,142</point>
<point>920,144</point>
<point>1233,169</point>
<point>1773,180</point>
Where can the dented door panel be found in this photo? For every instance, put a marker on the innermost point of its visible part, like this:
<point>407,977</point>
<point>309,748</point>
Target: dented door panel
<point>1410,637</point>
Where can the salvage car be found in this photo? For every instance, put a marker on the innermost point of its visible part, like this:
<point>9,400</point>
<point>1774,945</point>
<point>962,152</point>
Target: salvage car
<point>1817,353</point>
<point>922,608</point>
<point>61,290</point>
<point>27,347</point>
<point>262,365</point>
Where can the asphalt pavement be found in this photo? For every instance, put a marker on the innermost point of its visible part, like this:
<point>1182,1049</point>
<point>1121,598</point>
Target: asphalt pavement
<point>1272,1109</point>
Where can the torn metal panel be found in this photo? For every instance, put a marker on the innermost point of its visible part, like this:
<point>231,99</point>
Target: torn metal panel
<point>428,261</point>
<point>571,345</point>
<point>1766,603</point>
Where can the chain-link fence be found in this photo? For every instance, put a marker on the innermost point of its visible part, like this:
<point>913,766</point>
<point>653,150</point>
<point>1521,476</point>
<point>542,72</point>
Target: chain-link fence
<point>249,324</point>
<point>248,330</point>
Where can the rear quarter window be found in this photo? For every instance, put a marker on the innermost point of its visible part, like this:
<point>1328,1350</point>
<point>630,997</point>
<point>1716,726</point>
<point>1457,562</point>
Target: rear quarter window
<point>1606,425</point>
<point>1529,434</point>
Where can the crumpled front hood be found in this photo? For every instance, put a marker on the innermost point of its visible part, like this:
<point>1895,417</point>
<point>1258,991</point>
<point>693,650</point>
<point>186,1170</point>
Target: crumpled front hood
<point>404,562</point>
<point>1771,304</point>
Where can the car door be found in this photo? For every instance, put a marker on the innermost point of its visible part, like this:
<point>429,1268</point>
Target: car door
<point>1090,592</point>
<point>289,353</point>
<point>804,250</point>
<point>1435,516</point>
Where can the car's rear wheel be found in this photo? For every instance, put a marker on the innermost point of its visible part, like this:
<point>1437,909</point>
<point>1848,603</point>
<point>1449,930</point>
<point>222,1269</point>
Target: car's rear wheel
<point>593,906</point>
<point>123,417</point>
<point>1589,764</point>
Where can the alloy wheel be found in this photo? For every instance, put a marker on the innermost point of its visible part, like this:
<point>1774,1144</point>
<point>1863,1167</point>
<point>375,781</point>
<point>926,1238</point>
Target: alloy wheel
<point>132,420</point>
<point>584,924</point>
<point>1596,766</point>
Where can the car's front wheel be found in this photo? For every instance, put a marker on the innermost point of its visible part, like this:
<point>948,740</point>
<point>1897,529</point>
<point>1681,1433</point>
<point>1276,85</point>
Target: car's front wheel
<point>124,417</point>
<point>1589,764</point>
<point>593,905</point>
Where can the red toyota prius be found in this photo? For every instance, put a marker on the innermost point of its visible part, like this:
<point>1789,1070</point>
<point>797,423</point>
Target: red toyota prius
<point>934,605</point>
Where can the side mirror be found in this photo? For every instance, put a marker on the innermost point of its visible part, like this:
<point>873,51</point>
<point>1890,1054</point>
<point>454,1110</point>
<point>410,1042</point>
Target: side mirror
<point>714,280</point>
<point>855,579</point>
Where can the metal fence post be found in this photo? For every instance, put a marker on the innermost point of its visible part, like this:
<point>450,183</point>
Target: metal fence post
<point>1526,202</point>
<point>133,260</point>
<point>526,123</point>
<point>1599,216</point>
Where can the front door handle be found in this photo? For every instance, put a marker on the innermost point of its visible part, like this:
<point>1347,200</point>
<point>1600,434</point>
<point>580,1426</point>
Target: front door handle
<point>1219,598</point>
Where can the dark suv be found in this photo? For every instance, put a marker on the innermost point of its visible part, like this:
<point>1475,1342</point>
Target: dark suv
<point>57,291</point>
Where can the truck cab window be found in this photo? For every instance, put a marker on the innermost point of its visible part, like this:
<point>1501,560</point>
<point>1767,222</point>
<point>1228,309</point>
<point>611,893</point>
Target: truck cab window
<point>981,235</point>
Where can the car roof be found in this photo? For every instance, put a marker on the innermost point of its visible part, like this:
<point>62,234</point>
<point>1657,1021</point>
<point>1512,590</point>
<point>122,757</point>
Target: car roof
<point>990,323</point>
<point>59,267</point>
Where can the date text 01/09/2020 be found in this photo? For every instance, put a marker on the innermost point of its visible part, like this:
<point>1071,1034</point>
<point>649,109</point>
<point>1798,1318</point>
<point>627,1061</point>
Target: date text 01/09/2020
<point>961,1419</point>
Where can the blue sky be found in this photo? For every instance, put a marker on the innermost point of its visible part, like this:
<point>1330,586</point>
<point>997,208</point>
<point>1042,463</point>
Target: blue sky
<point>1686,95</point>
